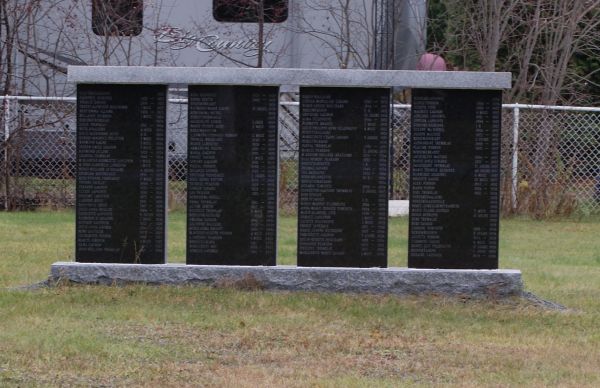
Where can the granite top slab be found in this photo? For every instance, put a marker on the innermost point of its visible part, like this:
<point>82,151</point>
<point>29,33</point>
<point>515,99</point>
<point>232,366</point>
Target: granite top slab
<point>285,76</point>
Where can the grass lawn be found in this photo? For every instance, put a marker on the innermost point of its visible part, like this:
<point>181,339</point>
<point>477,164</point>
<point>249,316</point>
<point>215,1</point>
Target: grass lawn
<point>191,336</point>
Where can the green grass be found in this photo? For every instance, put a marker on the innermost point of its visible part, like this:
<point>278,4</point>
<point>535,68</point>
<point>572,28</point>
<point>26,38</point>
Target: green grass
<point>190,336</point>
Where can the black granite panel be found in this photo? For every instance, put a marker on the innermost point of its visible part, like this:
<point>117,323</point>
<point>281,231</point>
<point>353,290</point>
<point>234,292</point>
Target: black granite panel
<point>232,175</point>
<point>454,179</point>
<point>343,177</point>
<point>121,176</point>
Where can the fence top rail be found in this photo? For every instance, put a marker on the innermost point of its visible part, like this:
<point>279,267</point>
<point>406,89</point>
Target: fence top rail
<point>281,76</point>
<point>529,106</point>
<point>37,98</point>
<point>552,107</point>
<point>296,103</point>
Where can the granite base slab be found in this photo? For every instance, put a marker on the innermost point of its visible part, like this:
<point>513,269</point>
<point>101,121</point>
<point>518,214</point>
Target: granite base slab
<point>398,281</point>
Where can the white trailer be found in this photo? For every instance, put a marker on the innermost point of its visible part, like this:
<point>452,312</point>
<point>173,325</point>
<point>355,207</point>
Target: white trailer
<point>376,34</point>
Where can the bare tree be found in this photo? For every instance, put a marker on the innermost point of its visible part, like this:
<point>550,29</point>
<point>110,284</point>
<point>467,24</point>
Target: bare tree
<point>346,30</point>
<point>496,16</point>
<point>534,39</point>
<point>537,41</point>
<point>258,21</point>
<point>38,39</point>
<point>342,30</point>
<point>14,16</point>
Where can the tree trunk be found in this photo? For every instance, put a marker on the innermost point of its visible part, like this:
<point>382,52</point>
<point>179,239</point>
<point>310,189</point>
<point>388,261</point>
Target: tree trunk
<point>261,32</point>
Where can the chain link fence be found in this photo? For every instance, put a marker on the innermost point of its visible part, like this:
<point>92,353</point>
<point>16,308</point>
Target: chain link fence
<point>552,166</point>
<point>550,163</point>
<point>38,152</point>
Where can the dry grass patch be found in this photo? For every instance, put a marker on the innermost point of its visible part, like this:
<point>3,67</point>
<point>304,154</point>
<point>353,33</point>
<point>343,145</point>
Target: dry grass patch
<point>197,336</point>
<point>168,336</point>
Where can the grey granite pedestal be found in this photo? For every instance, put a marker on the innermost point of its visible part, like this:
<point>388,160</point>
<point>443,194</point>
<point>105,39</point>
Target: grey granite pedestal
<point>398,281</point>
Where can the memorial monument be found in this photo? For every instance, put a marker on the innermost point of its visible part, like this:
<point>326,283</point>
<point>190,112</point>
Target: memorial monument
<point>343,174</point>
<point>232,174</point>
<point>454,179</point>
<point>121,173</point>
<point>343,177</point>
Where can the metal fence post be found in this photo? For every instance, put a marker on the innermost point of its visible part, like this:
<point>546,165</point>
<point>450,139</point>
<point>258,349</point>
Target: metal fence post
<point>515,156</point>
<point>6,111</point>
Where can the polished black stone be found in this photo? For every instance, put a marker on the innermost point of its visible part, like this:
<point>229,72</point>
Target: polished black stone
<point>343,177</point>
<point>232,175</point>
<point>121,168</point>
<point>454,179</point>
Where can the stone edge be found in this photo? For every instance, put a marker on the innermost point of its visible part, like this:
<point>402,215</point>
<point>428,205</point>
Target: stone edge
<point>398,281</point>
<point>281,76</point>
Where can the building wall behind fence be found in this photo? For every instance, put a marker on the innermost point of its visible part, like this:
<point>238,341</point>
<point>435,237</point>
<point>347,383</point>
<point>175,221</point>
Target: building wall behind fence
<point>550,155</point>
